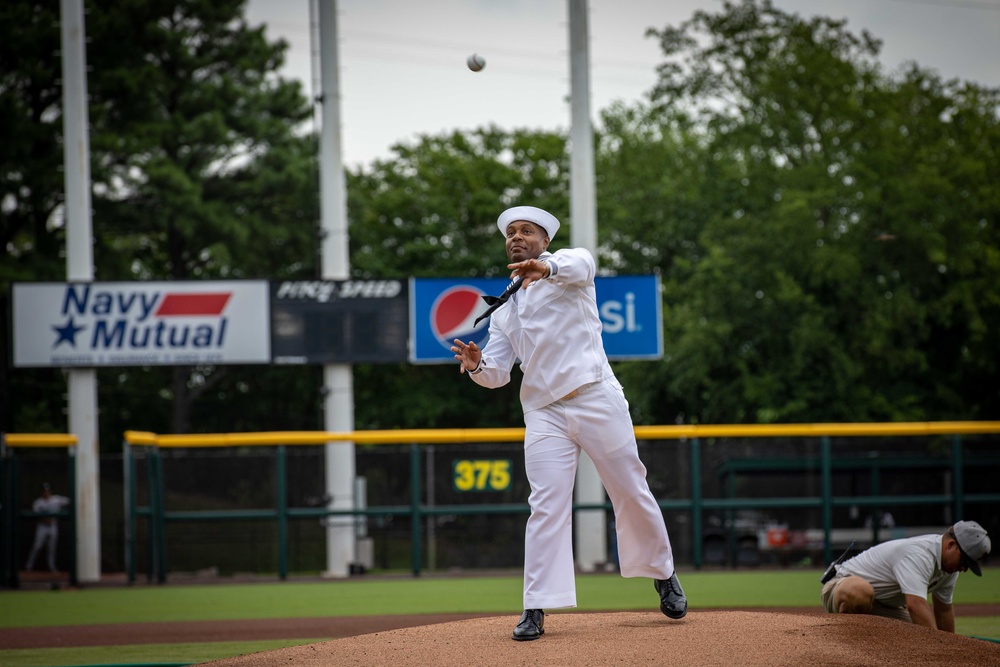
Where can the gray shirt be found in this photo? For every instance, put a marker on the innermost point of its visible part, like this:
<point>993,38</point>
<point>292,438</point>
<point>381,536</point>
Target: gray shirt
<point>897,568</point>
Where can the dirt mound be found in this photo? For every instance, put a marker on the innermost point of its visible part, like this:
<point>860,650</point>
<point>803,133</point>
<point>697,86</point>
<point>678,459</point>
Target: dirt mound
<point>702,638</point>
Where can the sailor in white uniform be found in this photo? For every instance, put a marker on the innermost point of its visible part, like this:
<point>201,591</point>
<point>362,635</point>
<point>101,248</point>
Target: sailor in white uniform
<point>572,401</point>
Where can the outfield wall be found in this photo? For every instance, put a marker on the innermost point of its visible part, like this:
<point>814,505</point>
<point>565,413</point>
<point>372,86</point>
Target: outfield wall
<point>235,503</point>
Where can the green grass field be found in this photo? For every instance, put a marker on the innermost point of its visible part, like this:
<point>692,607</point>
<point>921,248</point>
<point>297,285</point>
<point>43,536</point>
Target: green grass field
<point>384,596</point>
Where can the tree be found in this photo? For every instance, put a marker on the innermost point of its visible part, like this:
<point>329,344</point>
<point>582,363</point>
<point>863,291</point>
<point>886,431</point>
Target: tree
<point>844,267</point>
<point>30,184</point>
<point>214,181</point>
<point>200,166</point>
<point>30,120</point>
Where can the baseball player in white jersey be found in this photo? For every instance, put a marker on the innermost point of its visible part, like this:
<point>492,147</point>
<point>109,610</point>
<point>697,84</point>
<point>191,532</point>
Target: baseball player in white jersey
<point>571,401</point>
<point>893,579</point>
<point>47,530</point>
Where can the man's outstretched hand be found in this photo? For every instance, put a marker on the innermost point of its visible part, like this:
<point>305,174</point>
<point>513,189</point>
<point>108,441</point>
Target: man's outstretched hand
<point>530,269</point>
<point>468,356</point>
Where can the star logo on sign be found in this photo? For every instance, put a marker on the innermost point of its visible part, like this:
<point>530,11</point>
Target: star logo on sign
<point>67,333</point>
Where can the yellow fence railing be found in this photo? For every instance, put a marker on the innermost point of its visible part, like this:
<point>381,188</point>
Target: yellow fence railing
<point>39,440</point>
<point>673,432</point>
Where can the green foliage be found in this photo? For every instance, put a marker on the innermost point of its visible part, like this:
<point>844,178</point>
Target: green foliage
<point>841,262</point>
<point>431,210</point>
<point>30,162</point>
<point>826,233</point>
<point>200,170</point>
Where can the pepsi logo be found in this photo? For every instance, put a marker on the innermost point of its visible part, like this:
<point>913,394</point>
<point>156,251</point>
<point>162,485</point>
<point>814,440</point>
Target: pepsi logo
<point>453,315</point>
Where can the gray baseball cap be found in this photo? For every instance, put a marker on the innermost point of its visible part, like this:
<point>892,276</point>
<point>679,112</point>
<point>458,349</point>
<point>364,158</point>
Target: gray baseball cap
<point>973,542</point>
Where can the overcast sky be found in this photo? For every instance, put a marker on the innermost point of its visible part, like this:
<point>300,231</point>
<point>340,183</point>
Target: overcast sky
<point>403,70</point>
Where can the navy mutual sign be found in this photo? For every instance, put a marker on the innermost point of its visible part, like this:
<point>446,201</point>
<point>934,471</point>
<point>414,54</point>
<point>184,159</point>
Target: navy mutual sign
<point>140,323</point>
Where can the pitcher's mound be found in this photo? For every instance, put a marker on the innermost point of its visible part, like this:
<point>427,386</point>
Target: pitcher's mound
<point>722,638</point>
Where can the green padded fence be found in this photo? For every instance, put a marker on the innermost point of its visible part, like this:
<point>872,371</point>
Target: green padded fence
<point>158,516</point>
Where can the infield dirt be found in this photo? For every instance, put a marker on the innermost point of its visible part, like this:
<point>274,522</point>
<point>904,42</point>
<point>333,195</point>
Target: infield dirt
<point>706,638</point>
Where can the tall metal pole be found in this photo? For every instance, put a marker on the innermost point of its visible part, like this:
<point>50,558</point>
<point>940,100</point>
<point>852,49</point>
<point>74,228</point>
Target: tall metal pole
<point>591,525</point>
<point>82,382</point>
<point>338,379</point>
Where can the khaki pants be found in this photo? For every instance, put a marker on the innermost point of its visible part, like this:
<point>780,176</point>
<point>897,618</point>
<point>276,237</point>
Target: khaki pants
<point>878,608</point>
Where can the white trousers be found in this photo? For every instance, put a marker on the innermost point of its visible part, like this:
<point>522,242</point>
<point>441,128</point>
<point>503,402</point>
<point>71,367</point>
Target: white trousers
<point>597,421</point>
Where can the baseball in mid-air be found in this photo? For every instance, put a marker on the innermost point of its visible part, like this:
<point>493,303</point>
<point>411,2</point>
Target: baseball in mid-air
<point>475,62</point>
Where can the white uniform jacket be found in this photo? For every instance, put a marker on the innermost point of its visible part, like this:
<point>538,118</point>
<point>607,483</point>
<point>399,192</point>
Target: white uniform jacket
<point>553,328</point>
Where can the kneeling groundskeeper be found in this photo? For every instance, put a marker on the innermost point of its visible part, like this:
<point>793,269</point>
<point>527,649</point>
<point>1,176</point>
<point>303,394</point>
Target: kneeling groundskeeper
<point>894,578</point>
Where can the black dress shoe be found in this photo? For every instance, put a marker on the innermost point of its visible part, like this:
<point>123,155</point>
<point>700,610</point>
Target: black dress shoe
<point>672,600</point>
<point>530,625</point>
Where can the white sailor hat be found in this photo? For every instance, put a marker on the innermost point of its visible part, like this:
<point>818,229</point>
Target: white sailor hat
<point>540,217</point>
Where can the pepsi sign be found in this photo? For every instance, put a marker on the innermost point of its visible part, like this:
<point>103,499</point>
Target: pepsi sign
<point>631,316</point>
<point>443,309</point>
